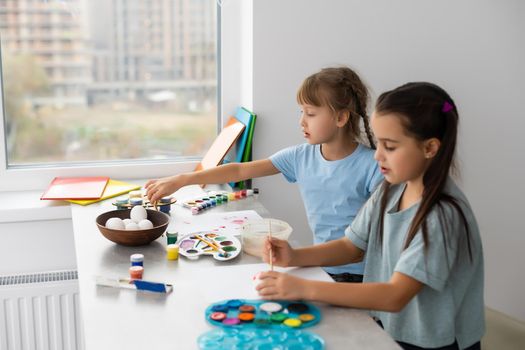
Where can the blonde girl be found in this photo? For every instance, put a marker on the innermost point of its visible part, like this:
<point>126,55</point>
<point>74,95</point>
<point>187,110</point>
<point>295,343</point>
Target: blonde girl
<point>334,169</point>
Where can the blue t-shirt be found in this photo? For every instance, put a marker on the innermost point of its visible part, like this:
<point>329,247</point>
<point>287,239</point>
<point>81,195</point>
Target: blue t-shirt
<point>332,191</point>
<point>450,305</point>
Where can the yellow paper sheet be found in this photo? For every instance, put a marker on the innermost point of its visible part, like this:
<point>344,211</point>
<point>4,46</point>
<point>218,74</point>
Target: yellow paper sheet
<point>114,188</point>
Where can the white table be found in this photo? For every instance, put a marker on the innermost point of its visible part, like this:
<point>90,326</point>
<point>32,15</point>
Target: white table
<point>125,319</point>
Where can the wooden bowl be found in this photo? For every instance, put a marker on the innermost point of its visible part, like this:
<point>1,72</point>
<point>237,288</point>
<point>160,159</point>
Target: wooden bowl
<point>159,220</point>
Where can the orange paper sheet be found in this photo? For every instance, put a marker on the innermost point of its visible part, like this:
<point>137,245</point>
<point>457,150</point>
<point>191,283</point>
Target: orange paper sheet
<point>222,144</point>
<point>62,188</point>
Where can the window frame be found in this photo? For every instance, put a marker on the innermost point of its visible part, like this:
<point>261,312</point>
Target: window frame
<point>38,177</point>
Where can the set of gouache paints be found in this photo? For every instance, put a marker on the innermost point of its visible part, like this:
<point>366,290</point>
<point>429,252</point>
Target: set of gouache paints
<point>212,199</point>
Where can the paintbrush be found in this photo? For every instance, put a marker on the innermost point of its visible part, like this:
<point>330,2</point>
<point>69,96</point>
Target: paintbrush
<point>271,249</point>
<point>213,245</point>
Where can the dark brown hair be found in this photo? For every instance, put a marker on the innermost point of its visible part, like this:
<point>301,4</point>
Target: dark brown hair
<point>426,111</point>
<point>341,89</point>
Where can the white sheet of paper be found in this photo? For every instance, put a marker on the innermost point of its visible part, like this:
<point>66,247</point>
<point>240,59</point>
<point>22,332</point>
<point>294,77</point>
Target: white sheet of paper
<point>188,192</point>
<point>228,223</point>
<point>236,282</point>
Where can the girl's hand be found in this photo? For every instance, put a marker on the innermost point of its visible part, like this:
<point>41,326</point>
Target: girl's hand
<point>281,286</point>
<point>282,253</point>
<point>158,188</point>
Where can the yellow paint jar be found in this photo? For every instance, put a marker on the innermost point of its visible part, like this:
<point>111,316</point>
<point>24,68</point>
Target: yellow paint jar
<point>172,251</point>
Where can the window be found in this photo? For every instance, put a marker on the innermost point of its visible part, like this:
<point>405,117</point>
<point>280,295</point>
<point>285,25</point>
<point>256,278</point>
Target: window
<point>97,82</point>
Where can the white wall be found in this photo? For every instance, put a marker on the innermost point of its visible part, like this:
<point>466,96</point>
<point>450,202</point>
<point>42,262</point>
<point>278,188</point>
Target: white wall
<point>36,246</point>
<point>474,49</point>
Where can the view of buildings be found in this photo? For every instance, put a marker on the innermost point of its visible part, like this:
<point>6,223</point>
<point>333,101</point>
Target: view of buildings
<point>91,59</point>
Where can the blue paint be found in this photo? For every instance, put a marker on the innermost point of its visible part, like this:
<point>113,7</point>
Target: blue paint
<point>150,286</point>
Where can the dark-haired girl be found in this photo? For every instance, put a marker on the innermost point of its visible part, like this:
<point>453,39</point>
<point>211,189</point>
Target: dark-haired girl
<point>424,260</point>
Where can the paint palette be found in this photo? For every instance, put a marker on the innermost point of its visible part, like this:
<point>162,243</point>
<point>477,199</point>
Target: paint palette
<point>221,247</point>
<point>262,314</point>
<point>259,339</point>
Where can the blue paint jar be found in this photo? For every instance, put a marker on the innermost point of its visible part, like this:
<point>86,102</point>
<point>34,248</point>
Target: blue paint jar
<point>165,206</point>
<point>122,203</point>
<point>137,260</point>
<point>135,201</point>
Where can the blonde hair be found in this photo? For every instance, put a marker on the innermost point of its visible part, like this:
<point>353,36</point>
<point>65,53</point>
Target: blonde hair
<point>341,89</point>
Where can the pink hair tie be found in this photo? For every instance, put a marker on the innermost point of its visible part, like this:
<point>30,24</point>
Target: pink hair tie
<point>447,107</point>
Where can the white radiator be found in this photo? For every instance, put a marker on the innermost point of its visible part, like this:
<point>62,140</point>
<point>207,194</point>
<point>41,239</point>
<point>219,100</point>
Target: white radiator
<point>40,311</point>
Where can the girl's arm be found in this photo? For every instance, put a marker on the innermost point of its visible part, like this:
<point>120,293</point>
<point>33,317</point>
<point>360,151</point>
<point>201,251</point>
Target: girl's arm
<point>233,172</point>
<point>338,252</point>
<point>391,296</point>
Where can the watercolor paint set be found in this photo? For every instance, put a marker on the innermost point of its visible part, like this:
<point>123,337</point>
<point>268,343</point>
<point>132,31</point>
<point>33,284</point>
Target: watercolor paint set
<point>261,324</point>
<point>242,313</point>
<point>220,247</point>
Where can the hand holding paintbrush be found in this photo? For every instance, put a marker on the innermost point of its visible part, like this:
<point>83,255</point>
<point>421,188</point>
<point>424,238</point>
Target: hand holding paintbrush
<point>277,251</point>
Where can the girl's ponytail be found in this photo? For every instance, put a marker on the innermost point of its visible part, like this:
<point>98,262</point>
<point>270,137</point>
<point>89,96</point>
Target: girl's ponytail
<point>361,95</point>
<point>368,131</point>
<point>359,104</point>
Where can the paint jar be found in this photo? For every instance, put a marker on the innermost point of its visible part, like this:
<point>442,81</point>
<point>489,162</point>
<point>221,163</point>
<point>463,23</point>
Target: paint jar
<point>172,237</point>
<point>254,234</point>
<point>122,203</point>
<point>135,201</point>
<point>172,251</point>
<point>166,205</point>
<point>137,259</point>
<point>135,194</point>
<point>135,272</point>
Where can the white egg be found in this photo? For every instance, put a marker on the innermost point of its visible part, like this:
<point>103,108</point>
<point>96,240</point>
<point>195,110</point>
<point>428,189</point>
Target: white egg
<point>127,221</point>
<point>132,226</point>
<point>145,224</point>
<point>115,224</point>
<point>138,213</point>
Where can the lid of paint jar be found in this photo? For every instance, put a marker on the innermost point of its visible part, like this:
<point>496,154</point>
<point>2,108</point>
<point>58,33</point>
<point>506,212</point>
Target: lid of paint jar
<point>136,257</point>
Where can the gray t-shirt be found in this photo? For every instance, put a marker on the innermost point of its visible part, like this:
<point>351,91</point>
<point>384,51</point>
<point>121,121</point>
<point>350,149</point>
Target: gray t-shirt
<point>450,306</point>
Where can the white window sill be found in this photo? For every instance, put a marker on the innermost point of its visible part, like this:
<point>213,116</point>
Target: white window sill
<point>18,205</point>
<point>26,206</point>
<point>22,206</point>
